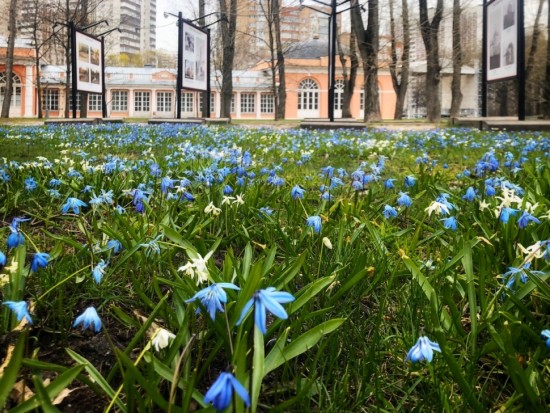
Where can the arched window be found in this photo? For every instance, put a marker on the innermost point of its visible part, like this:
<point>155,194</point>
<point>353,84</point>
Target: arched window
<point>16,89</point>
<point>308,95</point>
<point>339,94</point>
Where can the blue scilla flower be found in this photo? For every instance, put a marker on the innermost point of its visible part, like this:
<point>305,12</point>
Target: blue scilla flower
<point>3,259</point>
<point>297,192</point>
<point>15,239</point>
<point>410,181</point>
<point>506,213</point>
<point>315,222</point>
<point>39,260</point>
<point>267,300</point>
<point>30,184</point>
<point>275,180</point>
<point>470,194</point>
<point>89,318</point>
<point>187,196</point>
<point>326,196</point>
<point>227,190</point>
<point>99,270</point>
<point>20,310</point>
<point>115,245</point>
<point>74,204</point>
<point>389,212</point>
<point>357,185</point>
<point>335,182</point>
<point>328,171</point>
<point>87,188</point>
<point>511,276</point>
<point>152,247</point>
<point>155,170</point>
<point>266,211</point>
<point>388,183</point>
<point>490,190</point>
<point>212,297</point>
<point>450,223</point>
<point>423,350</point>
<point>546,336</point>
<point>404,200</point>
<point>54,182</point>
<point>166,183</point>
<point>221,392</point>
<point>526,218</point>
<point>120,210</point>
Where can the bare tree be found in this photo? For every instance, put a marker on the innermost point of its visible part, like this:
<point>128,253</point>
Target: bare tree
<point>228,9</point>
<point>349,80</point>
<point>456,92</point>
<point>534,42</point>
<point>367,39</point>
<point>9,59</point>
<point>546,89</point>
<point>400,78</point>
<point>430,36</point>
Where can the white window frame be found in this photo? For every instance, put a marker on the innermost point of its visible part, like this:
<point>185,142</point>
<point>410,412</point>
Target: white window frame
<point>248,102</point>
<point>94,102</point>
<point>119,101</point>
<point>267,103</point>
<point>142,101</point>
<point>164,101</point>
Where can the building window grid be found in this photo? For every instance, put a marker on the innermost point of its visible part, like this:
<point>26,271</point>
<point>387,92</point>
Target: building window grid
<point>248,101</point>
<point>16,89</point>
<point>308,95</point>
<point>339,94</point>
<point>232,106</point>
<point>119,101</point>
<point>212,103</point>
<point>267,103</point>
<point>94,102</point>
<point>77,101</point>
<point>362,100</point>
<point>142,101</point>
<point>51,99</point>
<point>187,102</point>
<point>164,102</point>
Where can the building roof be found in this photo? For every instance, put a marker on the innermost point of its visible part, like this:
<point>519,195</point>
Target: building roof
<point>310,49</point>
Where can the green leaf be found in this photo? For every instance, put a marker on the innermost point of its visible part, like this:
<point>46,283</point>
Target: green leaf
<point>257,368</point>
<point>97,377</point>
<point>280,355</point>
<point>12,369</point>
<point>45,402</point>
<point>59,384</point>
<point>309,292</point>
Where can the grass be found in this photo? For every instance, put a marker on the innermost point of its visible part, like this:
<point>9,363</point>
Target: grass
<point>191,206</point>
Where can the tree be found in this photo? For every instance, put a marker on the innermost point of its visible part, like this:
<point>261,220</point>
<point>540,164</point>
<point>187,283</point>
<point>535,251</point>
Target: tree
<point>349,80</point>
<point>9,59</point>
<point>430,36</point>
<point>228,9</point>
<point>456,93</point>
<point>400,79</point>
<point>546,90</point>
<point>367,39</point>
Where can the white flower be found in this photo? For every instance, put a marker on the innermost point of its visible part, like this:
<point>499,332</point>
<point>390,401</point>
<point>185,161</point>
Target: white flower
<point>211,209</point>
<point>536,250</point>
<point>327,243</point>
<point>196,268</point>
<point>483,205</point>
<point>227,200</point>
<point>438,208</point>
<point>162,339</point>
<point>239,200</point>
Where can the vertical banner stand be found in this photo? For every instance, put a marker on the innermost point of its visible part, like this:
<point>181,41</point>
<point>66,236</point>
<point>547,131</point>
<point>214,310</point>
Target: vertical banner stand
<point>72,31</point>
<point>103,87</point>
<point>521,60</point>
<point>179,80</point>
<point>206,111</point>
<point>484,63</point>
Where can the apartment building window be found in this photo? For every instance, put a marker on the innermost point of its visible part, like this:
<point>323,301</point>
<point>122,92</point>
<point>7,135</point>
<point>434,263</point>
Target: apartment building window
<point>94,102</point>
<point>232,106</point>
<point>51,99</point>
<point>247,102</point>
<point>212,103</point>
<point>187,102</point>
<point>164,101</point>
<point>267,103</point>
<point>142,101</point>
<point>119,100</point>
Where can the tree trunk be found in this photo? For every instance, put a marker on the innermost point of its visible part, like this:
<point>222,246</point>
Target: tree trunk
<point>400,83</point>
<point>546,90</point>
<point>456,92</point>
<point>534,42</point>
<point>367,40</point>
<point>9,59</point>
<point>349,80</point>
<point>281,90</point>
<point>228,29</point>
<point>68,83</point>
<point>430,36</point>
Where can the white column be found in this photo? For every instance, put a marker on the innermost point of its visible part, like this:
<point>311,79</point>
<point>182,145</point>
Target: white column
<point>130,103</point>
<point>238,105</point>
<point>29,93</point>
<point>258,109</point>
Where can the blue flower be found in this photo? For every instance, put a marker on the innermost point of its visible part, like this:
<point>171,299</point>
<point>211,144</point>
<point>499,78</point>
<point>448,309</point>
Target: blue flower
<point>297,192</point>
<point>227,190</point>
<point>265,211</point>
<point>450,223</point>
<point>546,336</point>
<point>3,259</point>
<point>30,184</point>
<point>511,275</point>
<point>423,350</point>
<point>99,271</point>
<point>404,199</point>
<point>220,393</point>
<point>410,181</point>
<point>505,214</point>
<point>166,183</point>
<point>490,190</point>
<point>315,222</point>
<point>115,245</point>
<point>388,183</point>
<point>39,260</point>
<point>89,318</point>
<point>357,185</point>
<point>328,171</point>
<point>389,212</point>
<point>525,218</point>
<point>470,194</point>
<point>212,297</point>
<point>266,300</point>
<point>20,309</point>
<point>15,239</point>
<point>74,204</point>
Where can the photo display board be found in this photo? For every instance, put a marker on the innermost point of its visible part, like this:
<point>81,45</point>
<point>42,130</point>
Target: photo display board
<point>195,53</point>
<point>89,64</point>
<point>502,39</point>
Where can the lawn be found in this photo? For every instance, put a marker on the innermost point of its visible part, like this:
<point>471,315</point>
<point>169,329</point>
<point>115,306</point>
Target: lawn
<point>188,268</point>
